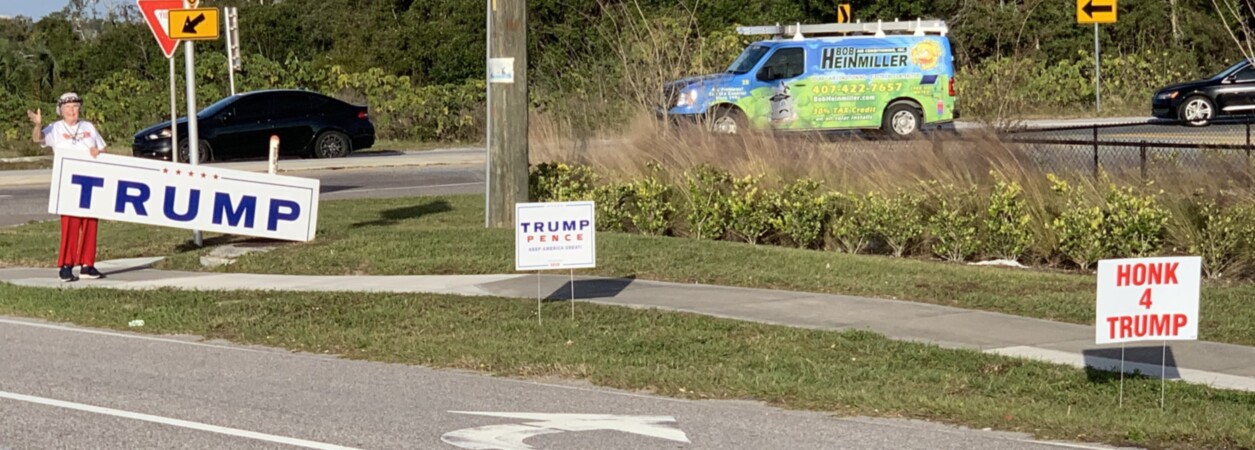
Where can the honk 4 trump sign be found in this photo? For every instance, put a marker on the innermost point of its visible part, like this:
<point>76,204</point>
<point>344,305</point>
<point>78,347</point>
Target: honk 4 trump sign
<point>1147,299</point>
<point>175,195</point>
<point>555,235</point>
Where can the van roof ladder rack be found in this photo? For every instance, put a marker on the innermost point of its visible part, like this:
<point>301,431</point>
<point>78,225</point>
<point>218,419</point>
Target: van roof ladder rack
<point>917,27</point>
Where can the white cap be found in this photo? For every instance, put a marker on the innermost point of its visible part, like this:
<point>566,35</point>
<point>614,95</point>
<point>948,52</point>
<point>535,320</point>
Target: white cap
<point>69,97</point>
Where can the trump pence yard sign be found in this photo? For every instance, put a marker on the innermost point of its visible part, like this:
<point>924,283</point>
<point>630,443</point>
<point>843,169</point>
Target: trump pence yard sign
<point>175,195</point>
<point>1146,299</point>
<point>554,235</point>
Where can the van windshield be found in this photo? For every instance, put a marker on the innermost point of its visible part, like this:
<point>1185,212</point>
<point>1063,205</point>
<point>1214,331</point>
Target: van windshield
<point>748,59</point>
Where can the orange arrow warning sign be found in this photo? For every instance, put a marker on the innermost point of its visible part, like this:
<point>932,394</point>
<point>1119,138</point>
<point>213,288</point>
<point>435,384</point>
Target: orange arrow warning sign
<point>1095,11</point>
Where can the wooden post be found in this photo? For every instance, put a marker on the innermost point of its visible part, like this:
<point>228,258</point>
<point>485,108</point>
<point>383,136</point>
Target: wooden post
<point>507,106</point>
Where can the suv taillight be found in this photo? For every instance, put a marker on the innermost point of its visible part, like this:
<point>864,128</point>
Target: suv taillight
<point>952,93</point>
<point>362,114</point>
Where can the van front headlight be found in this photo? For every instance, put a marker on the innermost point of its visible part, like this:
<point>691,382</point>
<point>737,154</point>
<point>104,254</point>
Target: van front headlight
<point>688,97</point>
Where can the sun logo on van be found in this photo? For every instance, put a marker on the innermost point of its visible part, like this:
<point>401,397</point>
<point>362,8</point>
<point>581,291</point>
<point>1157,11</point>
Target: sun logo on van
<point>926,54</point>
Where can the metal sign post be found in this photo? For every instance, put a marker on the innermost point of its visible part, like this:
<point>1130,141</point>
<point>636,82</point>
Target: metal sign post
<point>488,120</point>
<point>232,33</point>
<point>1096,12</point>
<point>1097,73</point>
<point>174,116</point>
<point>193,136</point>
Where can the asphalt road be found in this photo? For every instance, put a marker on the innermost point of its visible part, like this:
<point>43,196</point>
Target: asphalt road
<point>21,204</point>
<point>69,387</point>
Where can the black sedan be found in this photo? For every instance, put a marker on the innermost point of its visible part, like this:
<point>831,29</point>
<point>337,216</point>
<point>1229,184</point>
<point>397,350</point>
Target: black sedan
<point>240,126</point>
<point>1198,103</point>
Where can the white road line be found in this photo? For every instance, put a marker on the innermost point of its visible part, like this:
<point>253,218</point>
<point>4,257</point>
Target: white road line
<point>5,196</point>
<point>402,188</point>
<point>169,421</point>
<point>1066,445</point>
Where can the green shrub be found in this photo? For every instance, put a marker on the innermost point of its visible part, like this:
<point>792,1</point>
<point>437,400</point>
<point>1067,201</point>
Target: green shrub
<point>798,213</point>
<point>1123,225</point>
<point>651,210</point>
<point>1135,225</point>
<point>707,211</point>
<point>560,182</point>
<point>896,219</point>
<point>1005,230</point>
<point>749,210</point>
<point>1079,226</point>
<point>850,228</point>
<point>1223,235</point>
<point>952,226</point>
<point>613,202</point>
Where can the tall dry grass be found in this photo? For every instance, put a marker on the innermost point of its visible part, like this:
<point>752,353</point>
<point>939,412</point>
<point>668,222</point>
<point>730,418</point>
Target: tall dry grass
<point>859,163</point>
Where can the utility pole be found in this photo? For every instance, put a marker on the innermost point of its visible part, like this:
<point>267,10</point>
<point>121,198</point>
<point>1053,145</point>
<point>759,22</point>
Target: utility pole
<point>507,111</point>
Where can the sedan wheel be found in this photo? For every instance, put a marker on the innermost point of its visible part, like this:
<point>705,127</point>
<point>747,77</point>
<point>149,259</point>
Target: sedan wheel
<point>202,149</point>
<point>332,144</point>
<point>1197,111</point>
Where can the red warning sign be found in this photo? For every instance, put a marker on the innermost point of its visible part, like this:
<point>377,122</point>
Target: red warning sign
<point>157,14</point>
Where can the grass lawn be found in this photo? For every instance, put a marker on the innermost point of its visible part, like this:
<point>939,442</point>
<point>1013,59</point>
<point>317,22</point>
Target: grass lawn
<point>445,235</point>
<point>682,355</point>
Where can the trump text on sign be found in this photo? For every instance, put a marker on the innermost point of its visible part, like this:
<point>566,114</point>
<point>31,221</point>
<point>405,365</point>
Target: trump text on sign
<point>559,235</point>
<point>1148,299</point>
<point>181,196</point>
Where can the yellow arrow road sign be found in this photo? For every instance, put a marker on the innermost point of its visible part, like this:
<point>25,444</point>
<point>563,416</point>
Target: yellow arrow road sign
<point>200,24</point>
<point>843,13</point>
<point>1095,11</point>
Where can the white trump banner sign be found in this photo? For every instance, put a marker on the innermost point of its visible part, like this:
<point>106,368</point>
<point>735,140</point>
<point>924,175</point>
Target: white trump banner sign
<point>554,235</point>
<point>1144,299</point>
<point>183,196</point>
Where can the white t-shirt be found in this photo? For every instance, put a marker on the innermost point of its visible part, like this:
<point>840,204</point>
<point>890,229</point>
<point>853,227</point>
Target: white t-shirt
<point>81,136</point>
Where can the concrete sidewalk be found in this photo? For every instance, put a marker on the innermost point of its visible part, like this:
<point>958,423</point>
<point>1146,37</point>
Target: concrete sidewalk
<point>1216,364</point>
<point>439,157</point>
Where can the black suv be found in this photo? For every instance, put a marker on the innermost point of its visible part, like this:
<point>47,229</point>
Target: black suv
<point>1198,103</point>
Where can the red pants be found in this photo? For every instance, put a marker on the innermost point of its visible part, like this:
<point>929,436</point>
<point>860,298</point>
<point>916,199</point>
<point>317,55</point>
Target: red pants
<point>78,242</point>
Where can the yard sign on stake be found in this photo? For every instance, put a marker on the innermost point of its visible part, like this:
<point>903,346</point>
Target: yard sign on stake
<point>555,235</point>
<point>1141,299</point>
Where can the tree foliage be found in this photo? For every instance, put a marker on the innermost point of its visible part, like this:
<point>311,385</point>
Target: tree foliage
<point>590,60</point>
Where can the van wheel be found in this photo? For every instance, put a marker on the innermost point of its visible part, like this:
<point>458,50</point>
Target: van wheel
<point>901,120</point>
<point>729,121</point>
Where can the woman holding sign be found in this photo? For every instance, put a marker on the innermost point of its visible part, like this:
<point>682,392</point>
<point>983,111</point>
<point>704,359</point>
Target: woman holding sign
<point>71,136</point>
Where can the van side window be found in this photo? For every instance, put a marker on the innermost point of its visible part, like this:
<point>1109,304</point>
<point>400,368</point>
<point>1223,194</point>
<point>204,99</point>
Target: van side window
<point>784,63</point>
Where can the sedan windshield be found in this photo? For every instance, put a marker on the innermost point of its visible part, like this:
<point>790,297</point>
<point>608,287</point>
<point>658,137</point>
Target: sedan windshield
<point>1231,69</point>
<point>210,110</point>
<point>748,59</point>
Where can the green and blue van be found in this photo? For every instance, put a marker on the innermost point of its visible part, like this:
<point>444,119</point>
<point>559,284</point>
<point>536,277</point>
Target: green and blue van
<point>895,83</point>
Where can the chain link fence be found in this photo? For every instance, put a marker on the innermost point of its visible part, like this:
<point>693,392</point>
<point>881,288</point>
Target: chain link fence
<point>1149,148</point>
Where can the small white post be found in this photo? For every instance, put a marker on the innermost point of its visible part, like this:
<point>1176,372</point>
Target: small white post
<point>274,153</point>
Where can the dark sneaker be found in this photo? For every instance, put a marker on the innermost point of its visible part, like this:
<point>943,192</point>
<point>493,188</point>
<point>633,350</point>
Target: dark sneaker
<point>67,274</point>
<point>91,272</point>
